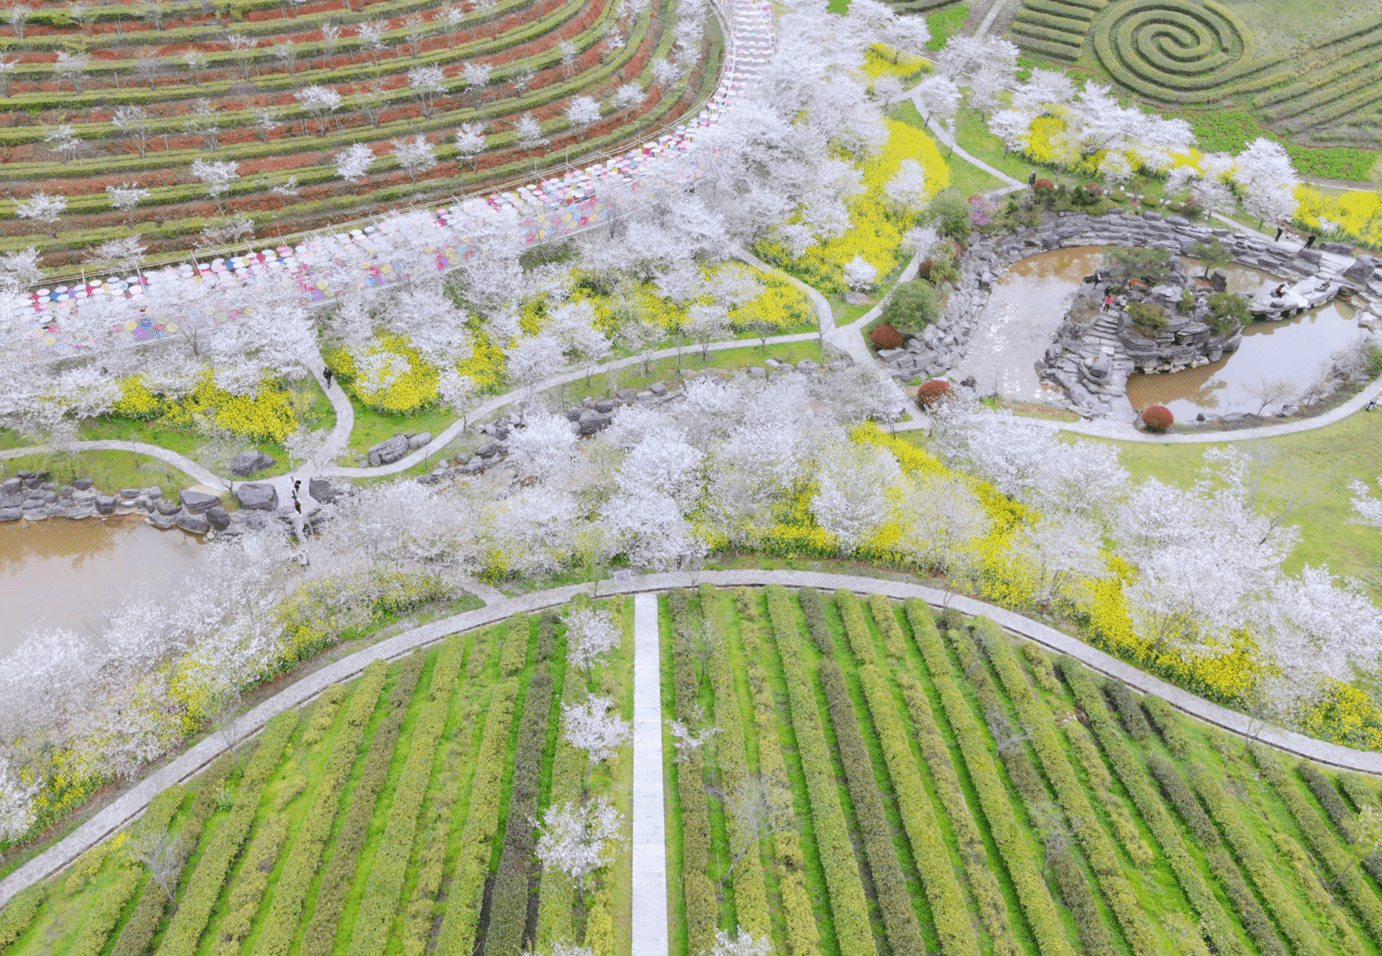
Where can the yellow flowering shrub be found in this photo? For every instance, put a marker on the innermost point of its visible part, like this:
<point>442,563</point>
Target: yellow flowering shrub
<point>875,231</point>
<point>267,414</point>
<point>137,402</point>
<point>388,376</point>
<point>1354,212</point>
<point>486,363</point>
<point>1344,714</point>
<point>780,305</point>
<point>879,57</point>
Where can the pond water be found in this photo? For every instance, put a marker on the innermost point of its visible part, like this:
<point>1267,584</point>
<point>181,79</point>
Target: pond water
<point>67,573</point>
<point>1027,305</point>
<point>1294,350</point>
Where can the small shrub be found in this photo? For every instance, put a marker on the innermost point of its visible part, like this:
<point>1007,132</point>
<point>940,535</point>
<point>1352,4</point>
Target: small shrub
<point>1227,312</point>
<point>912,306</point>
<point>1186,303</point>
<point>929,393</point>
<point>924,268</point>
<point>1043,185</point>
<point>1087,195</point>
<point>951,214</point>
<point>1147,317</point>
<point>1151,266</point>
<point>1158,418</point>
<point>885,337</point>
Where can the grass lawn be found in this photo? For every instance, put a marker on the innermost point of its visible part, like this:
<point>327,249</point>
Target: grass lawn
<point>964,176</point>
<point>110,470</point>
<point>1322,462</point>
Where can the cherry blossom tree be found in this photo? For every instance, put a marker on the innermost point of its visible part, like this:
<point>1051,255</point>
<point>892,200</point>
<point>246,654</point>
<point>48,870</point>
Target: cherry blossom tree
<point>578,838</point>
<point>590,635</point>
<point>906,190</point>
<point>851,501</point>
<point>666,463</point>
<point>580,113</point>
<point>859,274</point>
<point>1325,627</point>
<point>19,270</point>
<point>216,178</point>
<point>470,142</point>
<point>414,155</point>
<point>1264,172</point>
<point>353,161</point>
<point>427,82</point>
<point>649,527</point>
<point>594,725</point>
<point>938,96</point>
<point>71,67</point>
<point>371,34</point>
<point>123,254</point>
<point>41,207</point>
<point>134,120</point>
<point>17,812</point>
<point>476,76</point>
<point>319,102</point>
<point>742,943</point>
<point>626,97</point>
<point>545,445</point>
<point>943,516</point>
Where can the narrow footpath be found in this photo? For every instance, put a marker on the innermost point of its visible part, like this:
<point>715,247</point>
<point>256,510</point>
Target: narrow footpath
<point>650,937</point>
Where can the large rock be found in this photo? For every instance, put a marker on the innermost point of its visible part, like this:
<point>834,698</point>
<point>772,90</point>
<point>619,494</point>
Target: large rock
<point>193,524</point>
<point>322,490</point>
<point>105,504</point>
<point>82,484</point>
<point>11,514</point>
<point>418,440</point>
<point>389,450</point>
<point>218,518</point>
<point>1360,272</point>
<point>257,496</point>
<point>251,460</point>
<point>196,502</point>
<point>165,507</point>
<point>493,450</point>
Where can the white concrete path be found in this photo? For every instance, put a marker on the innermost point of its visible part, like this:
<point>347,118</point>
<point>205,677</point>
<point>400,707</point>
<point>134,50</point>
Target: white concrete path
<point>649,930</point>
<point>130,804</point>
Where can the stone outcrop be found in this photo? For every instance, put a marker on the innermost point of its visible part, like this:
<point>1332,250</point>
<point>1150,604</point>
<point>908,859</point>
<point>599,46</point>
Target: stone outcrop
<point>257,496</point>
<point>249,461</point>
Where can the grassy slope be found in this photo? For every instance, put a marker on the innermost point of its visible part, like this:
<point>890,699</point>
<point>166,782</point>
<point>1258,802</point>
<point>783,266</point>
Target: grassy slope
<point>1157,892</point>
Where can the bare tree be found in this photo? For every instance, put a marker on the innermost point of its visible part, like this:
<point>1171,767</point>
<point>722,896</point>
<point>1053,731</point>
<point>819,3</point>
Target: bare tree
<point>224,714</point>
<point>135,121</point>
<point>1367,840</point>
<point>148,69</point>
<point>1055,836</point>
<point>758,810</point>
<point>158,850</point>
<point>1276,391</point>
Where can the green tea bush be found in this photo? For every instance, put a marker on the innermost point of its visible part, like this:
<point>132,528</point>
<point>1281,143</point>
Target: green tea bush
<point>1147,318</point>
<point>1129,710</point>
<point>912,307</point>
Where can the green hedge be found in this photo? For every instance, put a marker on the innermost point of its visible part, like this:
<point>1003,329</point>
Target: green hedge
<point>1167,725</point>
<point>101,918</point>
<point>1099,849</point>
<point>1014,841</point>
<point>894,641</point>
<point>847,902</point>
<point>1129,770</point>
<point>797,916</point>
<point>304,859</point>
<point>466,890</point>
<point>1129,711</point>
<point>900,924</point>
<point>143,921</point>
<point>338,875</point>
<point>19,912</point>
<point>1339,812</point>
<point>1360,790</point>
<point>509,899</point>
<point>813,609</point>
<point>1087,754</point>
<point>195,907</point>
<point>384,887</point>
<point>750,892</point>
<point>698,892</point>
<point>249,889</point>
<point>924,834</point>
<point>1250,912</point>
<point>1338,865</point>
<point>1279,899</point>
<point>514,650</point>
<point>1049,42</point>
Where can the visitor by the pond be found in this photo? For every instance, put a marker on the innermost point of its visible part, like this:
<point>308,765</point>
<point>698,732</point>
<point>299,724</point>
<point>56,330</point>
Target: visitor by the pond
<point>1279,291</point>
<point>326,374</point>
<point>1031,178</point>
<point>297,485</point>
<point>1108,301</point>
<point>1311,241</point>
<point>1372,403</point>
<point>1279,231</point>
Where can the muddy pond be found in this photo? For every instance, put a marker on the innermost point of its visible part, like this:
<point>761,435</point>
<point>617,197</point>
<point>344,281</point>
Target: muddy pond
<point>64,573</point>
<point>1032,296</point>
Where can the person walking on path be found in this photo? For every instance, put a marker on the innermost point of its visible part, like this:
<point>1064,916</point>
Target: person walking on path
<point>326,374</point>
<point>1311,241</point>
<point>1108,300</point>
<point>1279,230</point>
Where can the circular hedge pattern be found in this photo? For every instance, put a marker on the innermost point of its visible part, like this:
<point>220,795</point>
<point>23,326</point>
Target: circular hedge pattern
<point>1172,49</point>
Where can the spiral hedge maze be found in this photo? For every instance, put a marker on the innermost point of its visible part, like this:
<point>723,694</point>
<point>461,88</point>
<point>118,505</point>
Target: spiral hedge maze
<point>1055,27</point>
<point>393,815</point>
<point>234,101</point>
<point>953,792</point>
<point>1199,53</point>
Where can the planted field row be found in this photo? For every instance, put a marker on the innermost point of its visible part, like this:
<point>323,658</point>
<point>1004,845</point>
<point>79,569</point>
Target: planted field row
<point>356,825</point>
<point>322,128</point>
<point>1055,27</point>
<point>950,794</point>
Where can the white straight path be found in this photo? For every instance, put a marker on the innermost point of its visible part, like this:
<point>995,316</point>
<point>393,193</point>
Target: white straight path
<point>649,819</point>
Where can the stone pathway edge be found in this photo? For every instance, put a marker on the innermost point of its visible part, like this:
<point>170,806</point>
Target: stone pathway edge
<point>131,804</point>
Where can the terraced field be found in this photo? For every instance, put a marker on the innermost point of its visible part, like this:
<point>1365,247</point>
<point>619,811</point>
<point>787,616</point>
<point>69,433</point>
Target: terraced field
<point>133,94</point>
<point>1195,53</point>
<point>950,791</point>
<point>394,815</point>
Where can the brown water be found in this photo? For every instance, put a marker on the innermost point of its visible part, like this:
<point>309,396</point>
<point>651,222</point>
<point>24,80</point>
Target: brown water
<point>1294,350</point>
<point>65,573</point>
<point>1027,305</point>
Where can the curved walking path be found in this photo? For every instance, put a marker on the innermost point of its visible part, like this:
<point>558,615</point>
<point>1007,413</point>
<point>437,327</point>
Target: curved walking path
<point>132,802</point>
